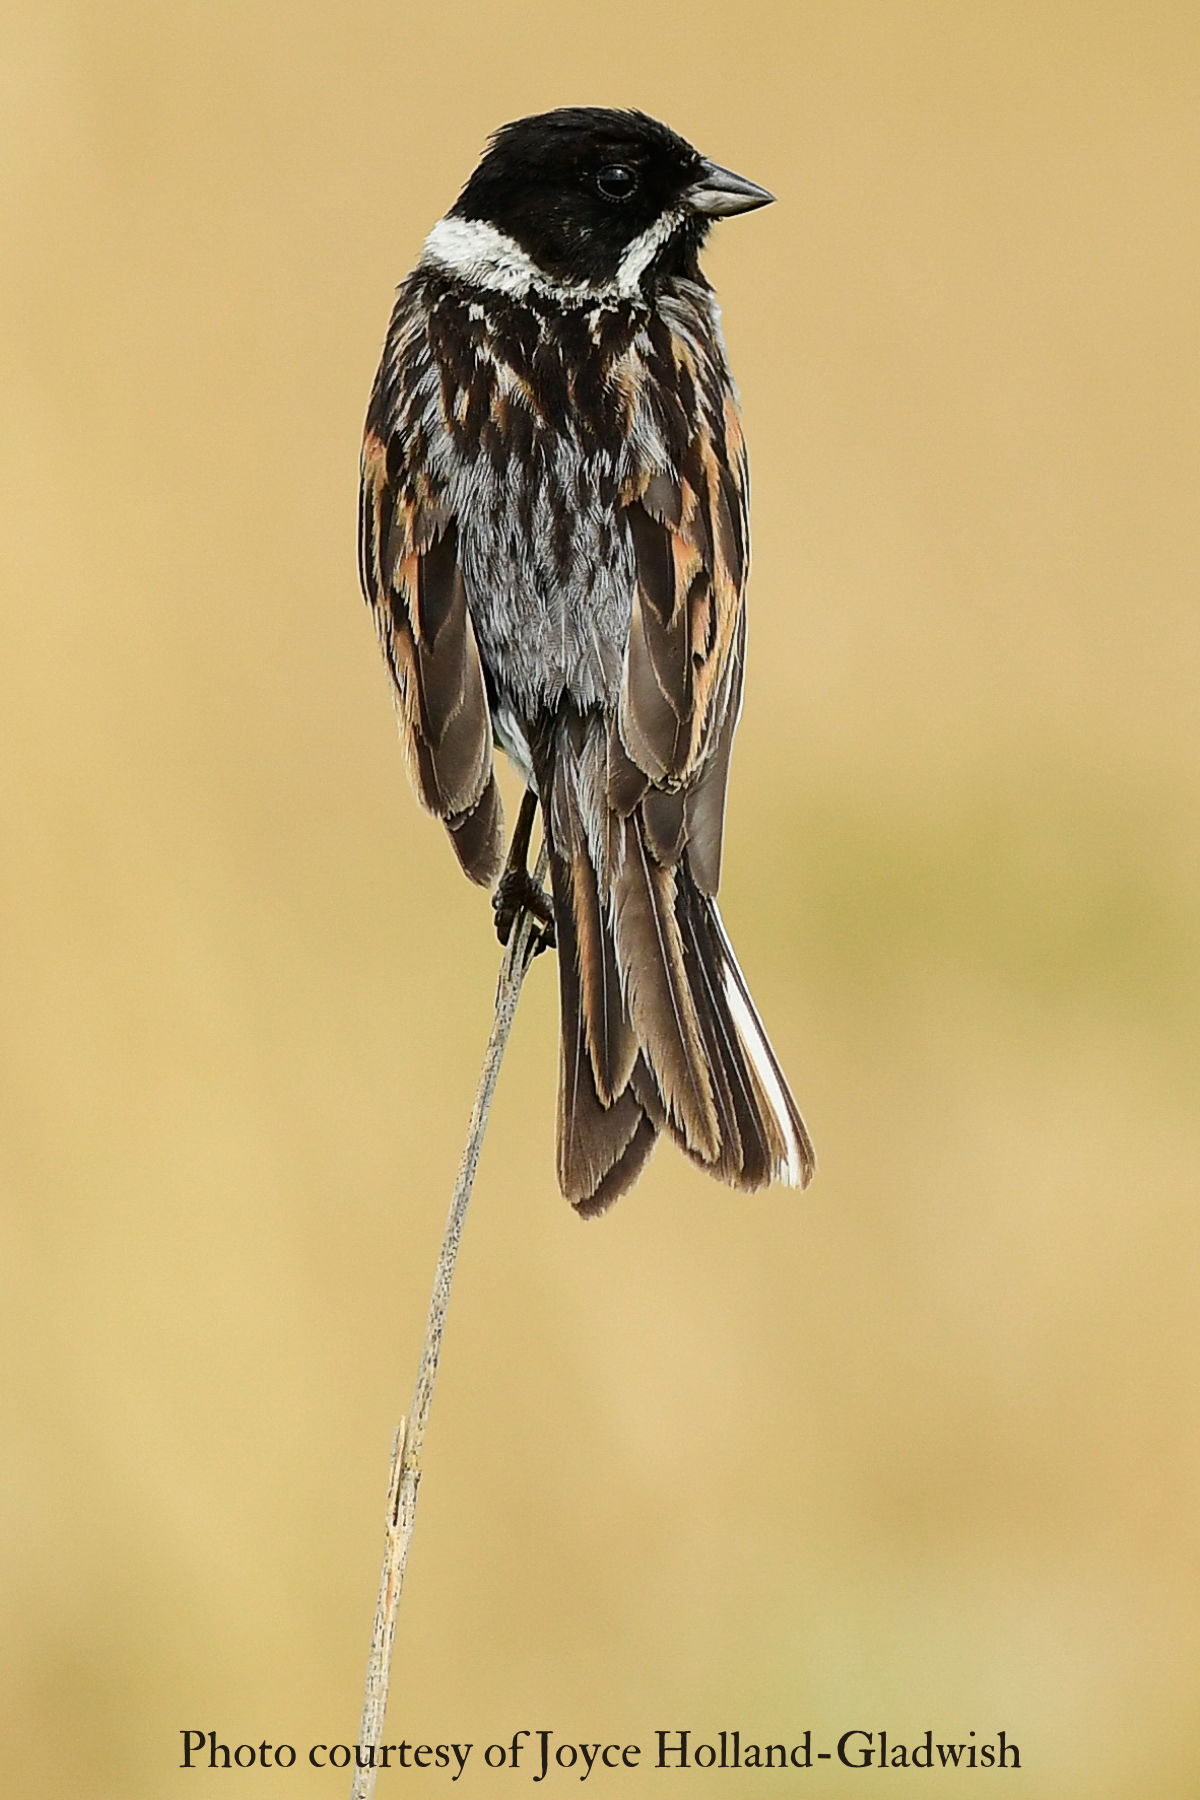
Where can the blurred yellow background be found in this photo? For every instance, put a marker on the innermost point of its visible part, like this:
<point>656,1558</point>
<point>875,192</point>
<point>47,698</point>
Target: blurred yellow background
<point>917,1449</point>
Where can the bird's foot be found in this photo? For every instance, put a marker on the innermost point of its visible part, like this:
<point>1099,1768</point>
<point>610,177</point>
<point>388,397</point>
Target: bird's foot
<point>517,892</point>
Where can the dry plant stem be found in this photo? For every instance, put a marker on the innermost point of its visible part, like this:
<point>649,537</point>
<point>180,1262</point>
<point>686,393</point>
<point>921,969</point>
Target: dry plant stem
<point>405,1475</point>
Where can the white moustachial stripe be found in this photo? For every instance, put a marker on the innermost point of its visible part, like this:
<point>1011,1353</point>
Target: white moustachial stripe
<point>642,252</point>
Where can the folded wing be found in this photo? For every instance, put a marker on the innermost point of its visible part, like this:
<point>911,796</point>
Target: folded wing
<point>409,566</point>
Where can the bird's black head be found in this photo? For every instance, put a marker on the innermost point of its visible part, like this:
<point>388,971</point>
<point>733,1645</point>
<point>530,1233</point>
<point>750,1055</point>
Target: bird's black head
<point>594,195</point>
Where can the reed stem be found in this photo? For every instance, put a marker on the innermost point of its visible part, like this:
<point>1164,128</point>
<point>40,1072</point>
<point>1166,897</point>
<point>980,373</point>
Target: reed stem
<point>404,1478</point>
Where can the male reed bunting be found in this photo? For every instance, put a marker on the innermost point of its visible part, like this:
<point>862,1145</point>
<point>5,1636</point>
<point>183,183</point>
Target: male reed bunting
<point>554,541</point>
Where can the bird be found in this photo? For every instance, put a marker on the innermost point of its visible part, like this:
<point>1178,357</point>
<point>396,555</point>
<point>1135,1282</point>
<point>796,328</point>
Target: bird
<point>553,539</point>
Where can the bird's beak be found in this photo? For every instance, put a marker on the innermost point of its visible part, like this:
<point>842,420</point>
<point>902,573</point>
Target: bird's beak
<point>719,192</point>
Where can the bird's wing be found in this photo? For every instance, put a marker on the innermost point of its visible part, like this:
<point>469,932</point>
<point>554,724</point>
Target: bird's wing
<point>410,572</point>
<point>682,685</point>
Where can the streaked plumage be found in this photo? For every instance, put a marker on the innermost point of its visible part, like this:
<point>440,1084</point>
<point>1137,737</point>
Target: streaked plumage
<point>554,540</point>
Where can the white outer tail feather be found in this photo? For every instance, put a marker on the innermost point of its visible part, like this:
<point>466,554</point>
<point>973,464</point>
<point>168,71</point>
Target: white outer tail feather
<point>790,1168</point>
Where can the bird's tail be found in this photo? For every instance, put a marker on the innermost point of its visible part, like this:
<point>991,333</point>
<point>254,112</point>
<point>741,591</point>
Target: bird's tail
<point>658,1027</point>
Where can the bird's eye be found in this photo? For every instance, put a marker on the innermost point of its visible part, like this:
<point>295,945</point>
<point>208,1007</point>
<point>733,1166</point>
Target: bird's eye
<point>617,182</point>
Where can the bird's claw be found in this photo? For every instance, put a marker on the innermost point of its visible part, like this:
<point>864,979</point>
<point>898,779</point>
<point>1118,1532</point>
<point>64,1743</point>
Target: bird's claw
<point>517,892</point>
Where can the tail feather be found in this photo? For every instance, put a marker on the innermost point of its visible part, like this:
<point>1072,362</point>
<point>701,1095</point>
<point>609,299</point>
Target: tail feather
<point>611,1042</point>
<point>623,1173</point>
<point>658,994</point>
<point>744,1159</point>
<point>774,1140</point>
<point>596,1134</point>
<point>658,1028</point>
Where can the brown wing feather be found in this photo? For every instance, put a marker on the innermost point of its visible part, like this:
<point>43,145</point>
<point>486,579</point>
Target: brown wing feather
<point>704,804</point>
<point>408,554</point>
<point>682,685</point>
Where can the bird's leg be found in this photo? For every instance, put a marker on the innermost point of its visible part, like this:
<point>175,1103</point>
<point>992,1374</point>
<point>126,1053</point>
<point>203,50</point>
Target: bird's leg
<point>517,891</point>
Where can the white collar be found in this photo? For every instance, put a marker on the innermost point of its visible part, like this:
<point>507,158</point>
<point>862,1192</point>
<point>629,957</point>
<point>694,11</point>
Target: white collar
<point>486,257</point>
